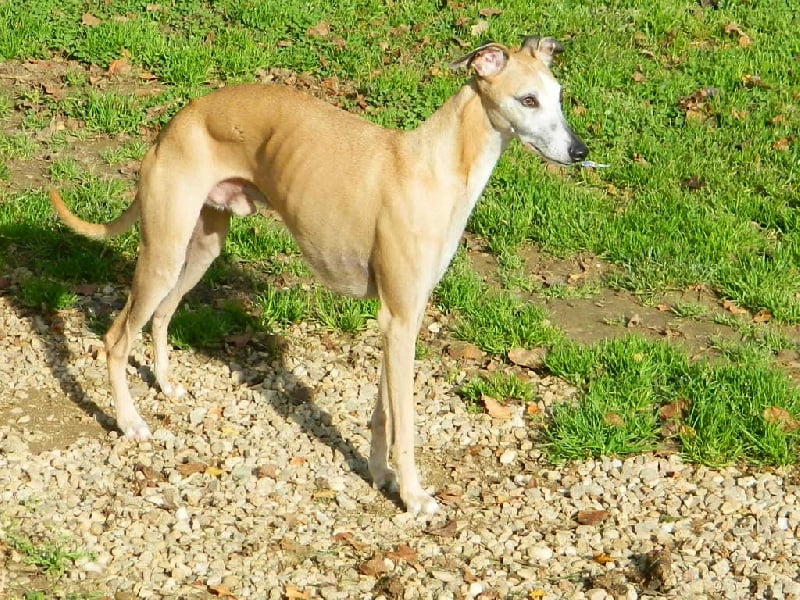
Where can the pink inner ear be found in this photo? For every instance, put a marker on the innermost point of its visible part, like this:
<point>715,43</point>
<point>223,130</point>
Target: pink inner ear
<point>489,62</point>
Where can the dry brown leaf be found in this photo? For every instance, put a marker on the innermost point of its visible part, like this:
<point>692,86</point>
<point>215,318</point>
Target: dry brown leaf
<point>221,591</point>
<point>320,30</point>
<point>187,469</point>
<point>346,537</point>
<point>291,592</point>
<point>89,20</point>
<point>85,289</point>
<point>403,552</point>
<point>754,81</point>
<point>297,460</point>
<point>775,415</point>
<point>536,594</point>
<point>494,409</point>
<point>762,316</point>
<point>489,12</point>
<point>638,76</point>
<point>733,308</point>
<point>479,28</point>
<point>150,475</point>
<point>613,420</point>
<point>674,409</point>
<point>262,471</point>
<point>743,39</point>
<point>374,567</point>
<point>531,359</point>
<point>592,517</point>
<point>532,409</point>
<point>119,66</point>
<point>447,530</point>
<point>782,145</point>
<point>238,340</point>
<point>601,558</point>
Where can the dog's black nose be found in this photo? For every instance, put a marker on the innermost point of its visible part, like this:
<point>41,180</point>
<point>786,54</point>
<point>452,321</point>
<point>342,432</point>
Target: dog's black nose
<point>578,150</point>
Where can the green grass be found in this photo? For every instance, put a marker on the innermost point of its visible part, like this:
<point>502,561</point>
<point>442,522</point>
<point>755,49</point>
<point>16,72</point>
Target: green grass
<point>626,382</point>
<point>631,74</point>
<point>52,556</point>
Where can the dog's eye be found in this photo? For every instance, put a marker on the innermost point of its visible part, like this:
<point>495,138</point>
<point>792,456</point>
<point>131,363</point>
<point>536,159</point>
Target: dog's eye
<point>529,101</point>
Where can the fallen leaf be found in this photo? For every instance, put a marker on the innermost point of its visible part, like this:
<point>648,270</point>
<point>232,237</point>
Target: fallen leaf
<point>733,308</point>
<point>85,289</point>
<point>490,12</point>
<point>762,316</point>
<point>775,415</point>
<point>347,538</point>
<point>119,66</point>
<point>293,593</point>
<point>320,30</point>
<point>634,321</point>
<point>403,552</point>
<point>494,409</point>
<point>674,410</point>
<point>591,517</point>
<point>297,460</point>
<point>221,591</point>
<point>187,469</point>
<point>214,471</point>
<point>374,567</point>
<point>612,419</point>
<point>782,145</point>
<point>531,359</point>
<point>89,20</point>
<point>601,558</point>
<point>479,28</point>
<point>638,76</point>
<point>447,530</point>
<point>262,471</point>
<point>743,39</point>
<point>532,409</point>
<point>536,594</point>
<point>754,81</point>
<point>151,476</point>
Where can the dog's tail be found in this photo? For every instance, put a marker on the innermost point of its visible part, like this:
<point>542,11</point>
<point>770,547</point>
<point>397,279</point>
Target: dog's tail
<point>97,231</point>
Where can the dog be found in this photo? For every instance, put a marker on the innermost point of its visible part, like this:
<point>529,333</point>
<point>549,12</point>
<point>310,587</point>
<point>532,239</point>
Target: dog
<point>376,212</point>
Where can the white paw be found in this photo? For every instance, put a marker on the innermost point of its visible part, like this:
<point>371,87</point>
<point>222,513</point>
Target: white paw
<point>135,429</point>
<point>173,391</point>
<point>420,503</point>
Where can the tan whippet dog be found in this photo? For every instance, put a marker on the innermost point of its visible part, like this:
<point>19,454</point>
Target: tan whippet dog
<point>376,212</point>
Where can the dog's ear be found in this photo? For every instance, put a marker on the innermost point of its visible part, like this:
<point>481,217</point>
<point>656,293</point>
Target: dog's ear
<point>486,60</point>
<point>542,48</point>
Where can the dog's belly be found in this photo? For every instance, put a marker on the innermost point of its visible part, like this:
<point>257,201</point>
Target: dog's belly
<point>346,272</point>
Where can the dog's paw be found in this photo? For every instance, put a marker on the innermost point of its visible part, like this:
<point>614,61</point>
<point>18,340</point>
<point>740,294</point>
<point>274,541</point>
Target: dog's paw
<point>420,503</point>
<point>135,429</point>
<point>172,391</point>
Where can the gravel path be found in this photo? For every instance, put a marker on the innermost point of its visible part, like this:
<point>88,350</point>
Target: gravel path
<point>254,487</point>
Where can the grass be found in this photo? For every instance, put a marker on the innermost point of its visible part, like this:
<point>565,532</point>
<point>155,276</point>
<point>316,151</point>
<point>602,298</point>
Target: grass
<point>52,556</point>
<point>697,122</point>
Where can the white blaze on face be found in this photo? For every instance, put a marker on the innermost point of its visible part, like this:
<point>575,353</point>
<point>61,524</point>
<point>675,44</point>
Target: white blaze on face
<point>534,113</point>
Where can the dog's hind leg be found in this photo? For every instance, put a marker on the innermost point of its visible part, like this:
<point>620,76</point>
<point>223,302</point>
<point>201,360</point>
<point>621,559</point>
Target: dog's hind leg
<point>206,244</point>
<point>161,260</point>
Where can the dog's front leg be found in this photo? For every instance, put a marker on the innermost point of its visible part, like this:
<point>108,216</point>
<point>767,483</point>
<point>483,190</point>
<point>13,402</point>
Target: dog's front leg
<point>400,333</point>
<point>383,476</point>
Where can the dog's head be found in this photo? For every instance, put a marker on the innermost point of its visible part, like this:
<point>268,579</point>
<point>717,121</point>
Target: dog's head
<point>523,99</point>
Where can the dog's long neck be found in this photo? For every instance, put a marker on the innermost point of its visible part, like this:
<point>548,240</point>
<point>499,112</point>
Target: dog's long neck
<point>463,141</point>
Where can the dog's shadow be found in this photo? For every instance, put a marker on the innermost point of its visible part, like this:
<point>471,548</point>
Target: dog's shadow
<point>37,262</point>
